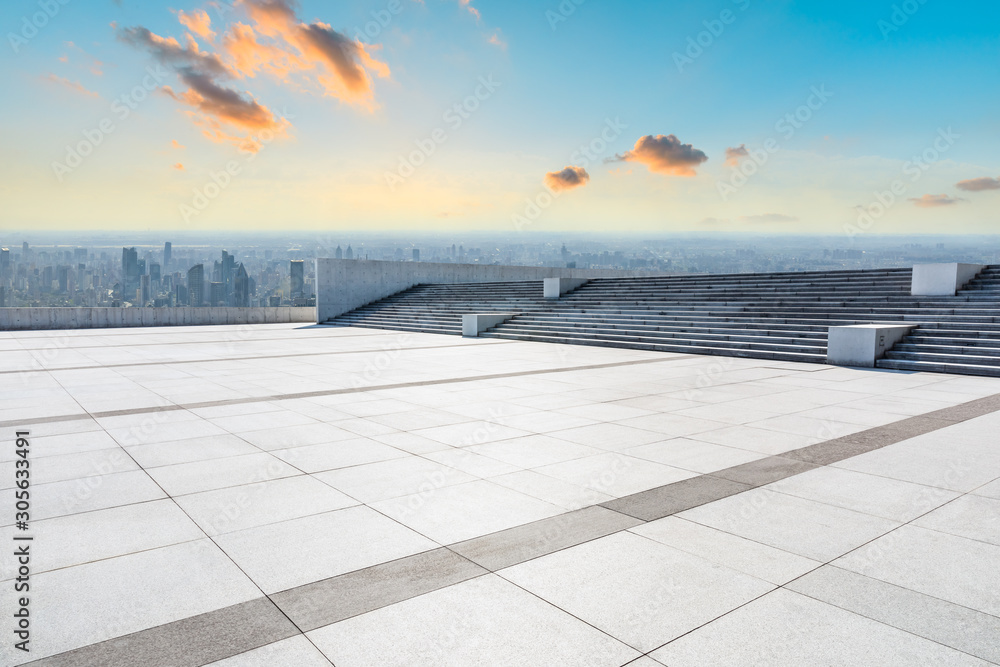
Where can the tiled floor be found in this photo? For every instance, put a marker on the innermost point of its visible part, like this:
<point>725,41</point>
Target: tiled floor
<point>290,495</point>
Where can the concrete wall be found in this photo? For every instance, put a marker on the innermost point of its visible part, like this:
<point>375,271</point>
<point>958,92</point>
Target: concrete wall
<point>345,284</point>
<point>20,319</point>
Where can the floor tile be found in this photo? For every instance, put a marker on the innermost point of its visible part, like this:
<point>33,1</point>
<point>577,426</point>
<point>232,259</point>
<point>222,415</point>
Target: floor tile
<point>788,629</point>
<point>291,553</point>
<point>483,621</point>
<point>639,591</point>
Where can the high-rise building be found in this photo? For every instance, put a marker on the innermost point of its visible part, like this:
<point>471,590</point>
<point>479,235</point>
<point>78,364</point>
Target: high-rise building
<point>297,278</point>
<point>228,272</point>
<point>167,252</point>
<point>416,254</point>
<point>216,294</point>
<point>241,288</point>
<point>154,274</point>
<point>4,262</point>
<point>350,253</point>
<point>144,291</point>
<point>196,285</point>
<point>130,272</point>
<point>63,276</point>
<point>339,254</point>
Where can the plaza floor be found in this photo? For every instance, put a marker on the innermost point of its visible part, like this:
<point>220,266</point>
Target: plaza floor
<point>310,495</point>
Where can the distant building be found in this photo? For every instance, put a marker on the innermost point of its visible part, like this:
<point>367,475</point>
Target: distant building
<point>241,288</point>
<point>416,254</point>
<point>167,253</point>
<point>297,278</point>
<point>339,254</point>
<point>154,274</point>
<point>4,261</point>
<point>196,285</point>
<point>350,253</point>
<point>216,294</point>
<point>144,290</point>
<point>130,272</point>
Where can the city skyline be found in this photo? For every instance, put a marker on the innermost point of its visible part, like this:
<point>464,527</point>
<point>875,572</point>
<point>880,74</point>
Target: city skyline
<point>477,115</point>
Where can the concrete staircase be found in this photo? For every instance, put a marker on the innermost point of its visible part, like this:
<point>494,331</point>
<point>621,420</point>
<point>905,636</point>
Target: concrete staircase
<point>959,346</point>
<point>780,316</point>
<point>439,308</point>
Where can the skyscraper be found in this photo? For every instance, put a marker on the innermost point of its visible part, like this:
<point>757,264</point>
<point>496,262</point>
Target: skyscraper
<point>4,262</point>
<point>350,253</point>
<point>339,254</point>
<point>241,287</point>
<point>196,285</point>
<point>167,252</point>
<point>297,274</point>
<point>130,272</point>
<point>144,291</point>
<point>216,294</point>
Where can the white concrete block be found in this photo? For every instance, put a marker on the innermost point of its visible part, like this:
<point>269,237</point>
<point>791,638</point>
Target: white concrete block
<point>862,344</point>
<point>941,279</point>
<point>475,323</point>
<point>556,287</point>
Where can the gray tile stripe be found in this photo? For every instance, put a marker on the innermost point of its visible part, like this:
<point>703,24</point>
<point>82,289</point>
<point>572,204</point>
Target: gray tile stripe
<point>519,544</point>
<point>319,603</point>
<point>189,642</point>
<point>331,600</point>
<point>228,359</point>
<point>330,392</point>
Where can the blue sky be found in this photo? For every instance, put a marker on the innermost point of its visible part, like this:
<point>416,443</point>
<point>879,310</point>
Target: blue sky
<point>341,157</point>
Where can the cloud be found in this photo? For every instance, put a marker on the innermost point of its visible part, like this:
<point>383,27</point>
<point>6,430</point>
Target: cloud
<point>567,179</point>
<point>178,166</point>
<point>176,144</point>
<point>342,67</point>
<point>932,201</point>
<point>767,217</point>
<point>223,113</point>
<point>75,86</point>
<point>496,40</point>
<point>664,155</point>
<point>472,10</point>
<point>979,184</point>
<point>198,22</point>
<point>734,155</point>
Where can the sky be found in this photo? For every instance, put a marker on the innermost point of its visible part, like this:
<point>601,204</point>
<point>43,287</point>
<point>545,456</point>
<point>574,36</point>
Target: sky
<point>854,117</point>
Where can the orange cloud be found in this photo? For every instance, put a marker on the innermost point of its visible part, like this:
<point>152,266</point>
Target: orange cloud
<point>979,184</point>
<point>179,167</point>
<point>176,144</point>
<point>220,111</point>
<point>933,201</point>
<point>198,22</point>
<point>342,67</point>
<point>664,154</point>
<point>567,179</point>
<point>75,86</point>
<point>734,155</point>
